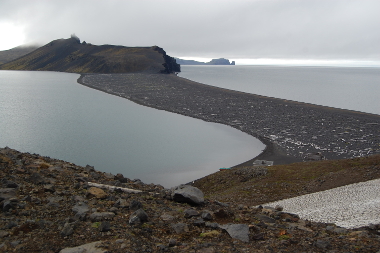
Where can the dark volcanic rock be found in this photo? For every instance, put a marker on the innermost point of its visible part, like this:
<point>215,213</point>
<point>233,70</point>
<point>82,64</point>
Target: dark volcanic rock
<point>237,231</point>
<point>187,194</point>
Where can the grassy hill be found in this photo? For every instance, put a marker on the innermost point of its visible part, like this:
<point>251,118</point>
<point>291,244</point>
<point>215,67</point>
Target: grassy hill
<point>14,53</point>
<point>70,55</point>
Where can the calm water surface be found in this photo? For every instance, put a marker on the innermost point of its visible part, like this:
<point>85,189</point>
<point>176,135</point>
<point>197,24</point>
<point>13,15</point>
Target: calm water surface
<point>51,114</point>
<point>347,88</point>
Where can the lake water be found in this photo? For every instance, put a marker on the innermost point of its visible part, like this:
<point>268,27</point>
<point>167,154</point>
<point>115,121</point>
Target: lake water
<point>354,88</point>
<point>51,114</point>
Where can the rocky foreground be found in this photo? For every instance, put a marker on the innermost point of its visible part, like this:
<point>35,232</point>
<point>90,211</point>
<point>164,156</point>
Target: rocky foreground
<point>49,205</point>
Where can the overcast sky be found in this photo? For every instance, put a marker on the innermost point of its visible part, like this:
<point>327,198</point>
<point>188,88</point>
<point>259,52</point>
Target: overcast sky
<point>234,29</point>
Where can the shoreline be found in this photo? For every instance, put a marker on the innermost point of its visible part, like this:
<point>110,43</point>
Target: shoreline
<point>289,129</point>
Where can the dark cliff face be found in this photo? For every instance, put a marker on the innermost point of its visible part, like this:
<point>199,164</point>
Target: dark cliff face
<point>70,55</point>
<point>171,66</point>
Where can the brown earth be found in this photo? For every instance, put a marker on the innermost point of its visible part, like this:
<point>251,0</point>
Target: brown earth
<point>40,211</point>
<point>286,181</point>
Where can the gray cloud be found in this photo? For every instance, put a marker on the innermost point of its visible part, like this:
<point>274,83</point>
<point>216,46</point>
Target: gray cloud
<point>313,29</point>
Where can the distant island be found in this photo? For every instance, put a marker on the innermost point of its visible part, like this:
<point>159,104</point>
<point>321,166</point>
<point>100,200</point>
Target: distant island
<point>72,55</point>
<point>220,61</point>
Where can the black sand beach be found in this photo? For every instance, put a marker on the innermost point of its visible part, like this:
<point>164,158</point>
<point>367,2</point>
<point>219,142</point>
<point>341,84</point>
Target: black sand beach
<point>289,129</point>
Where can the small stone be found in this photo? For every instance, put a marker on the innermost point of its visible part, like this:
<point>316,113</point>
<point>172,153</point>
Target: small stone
<point>105,226</point>
<point>190,213</point>
<point>3,233</point>
<point>49,188</point>
<point>322,244</point>
<point>67,230</point>
<point>167,217</point>
<point>206,215</point>
<point>80,207</point>
<point>180,228</point>
<point>265,218</point>
<point>36,178</point>
<point>134,205</point>
<point>172,242</point>
<point>11,184</point>
<point>97,193</point>
<point>99,216</point>
<point>278,208</point>
<point>199,222</point>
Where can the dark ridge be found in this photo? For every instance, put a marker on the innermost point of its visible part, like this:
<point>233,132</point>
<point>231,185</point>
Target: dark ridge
<point>14,53</point>
<point>70,55</point>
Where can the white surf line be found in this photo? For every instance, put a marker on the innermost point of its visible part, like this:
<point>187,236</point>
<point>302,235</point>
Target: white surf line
<point>349,206</point>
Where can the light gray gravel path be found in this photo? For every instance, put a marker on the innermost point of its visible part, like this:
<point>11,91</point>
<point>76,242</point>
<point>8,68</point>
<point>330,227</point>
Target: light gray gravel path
<point>349,206</point>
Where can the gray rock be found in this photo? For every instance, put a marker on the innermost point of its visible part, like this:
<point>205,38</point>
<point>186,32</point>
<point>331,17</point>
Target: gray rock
<point>187,194</point>
<point>322,244</point>
<point>36,178</point>
<point>85,248</point>
<point>15,243</point>
<point>340,230</point>
<point>11,184</point>
<point>3,233</point>
<point>11,224</point>
<point>105,226</point>
<point>134,205</point>
<point>7,193</point>
<point>265,218</point>
<point>212,224</point>
<point>180,228</point>
<point>190,213</point>
<point>199,222</point>
<point>206,215</point>
<point>99,216</point>
<point>134,220</point>
<point>167,217</point>
<point>68,229</point>
<point>121,203</point>
<point>221,203</point>
<point>139,216</point>
<point>10,203</point>
<point>172,242</point>
<point>237,231</point>
<point>49,188</point>
<point>80,207</point>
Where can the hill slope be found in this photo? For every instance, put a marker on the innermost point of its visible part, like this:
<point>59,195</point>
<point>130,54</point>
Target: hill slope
<point>14,53</point>
<point>69,55</point>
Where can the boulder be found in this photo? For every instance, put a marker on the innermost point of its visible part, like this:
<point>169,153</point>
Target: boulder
<point>97,193</point>
<point>237,231</point>
<point>180,228</point>
<point>139,216</point>
<point>190,213</point>
<point>7,193</point>
<point>99,216</point>
<point>187,194</point>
